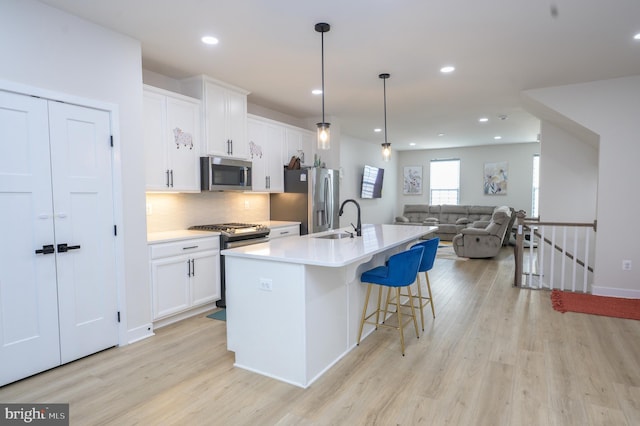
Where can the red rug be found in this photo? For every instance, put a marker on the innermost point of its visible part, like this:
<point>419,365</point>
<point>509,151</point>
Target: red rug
<point>565,301</point>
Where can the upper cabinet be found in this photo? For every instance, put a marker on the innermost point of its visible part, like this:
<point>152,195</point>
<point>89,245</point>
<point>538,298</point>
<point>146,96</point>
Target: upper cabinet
<point>299,142</point>
<point>266,149</point>
<point>224,116</point>
<point>171,141</point>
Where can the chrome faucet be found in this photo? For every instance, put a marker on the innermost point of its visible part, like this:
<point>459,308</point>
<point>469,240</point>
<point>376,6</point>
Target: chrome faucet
<point>358,228</point>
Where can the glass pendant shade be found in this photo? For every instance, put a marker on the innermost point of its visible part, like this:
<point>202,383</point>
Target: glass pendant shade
<point>386,151</point>
<point>324,136</point>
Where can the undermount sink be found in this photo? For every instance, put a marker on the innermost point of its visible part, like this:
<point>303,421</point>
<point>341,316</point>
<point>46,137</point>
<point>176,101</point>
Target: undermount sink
<point>335,236</point>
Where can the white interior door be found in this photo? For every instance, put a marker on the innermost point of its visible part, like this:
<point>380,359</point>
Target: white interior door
<point>83,216</point>
<point>29,341</point>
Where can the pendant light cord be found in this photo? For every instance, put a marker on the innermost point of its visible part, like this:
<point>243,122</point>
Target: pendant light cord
<point>384,85</point>
<point>322,62</point>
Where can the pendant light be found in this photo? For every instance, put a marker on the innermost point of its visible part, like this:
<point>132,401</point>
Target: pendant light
<point>324,140</point>
<point>386,146</point>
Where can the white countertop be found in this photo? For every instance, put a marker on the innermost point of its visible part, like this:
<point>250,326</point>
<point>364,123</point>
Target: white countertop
<point>179,234</point>
<point>309,250</point>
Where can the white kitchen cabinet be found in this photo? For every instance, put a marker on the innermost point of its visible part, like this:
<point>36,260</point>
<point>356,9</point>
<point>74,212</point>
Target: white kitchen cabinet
<point>58,294</point>
<point>299,142</point>
<point>266,146</point>
<point>171,141</point>
<point>184,274</point>
<point>224,116</point>
<point>284,231</point>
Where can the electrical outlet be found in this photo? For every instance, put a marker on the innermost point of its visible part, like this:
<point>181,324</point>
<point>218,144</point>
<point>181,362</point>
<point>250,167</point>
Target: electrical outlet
<point>626,265</point>
<point>149,209</point>
<point>266,284</point>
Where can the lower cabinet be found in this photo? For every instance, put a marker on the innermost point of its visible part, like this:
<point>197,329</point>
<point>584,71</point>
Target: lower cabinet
<point>184,274</point>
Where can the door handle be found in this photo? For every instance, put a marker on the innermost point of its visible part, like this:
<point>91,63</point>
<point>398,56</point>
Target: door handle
<point>46,249</point>
<point>63,248</point>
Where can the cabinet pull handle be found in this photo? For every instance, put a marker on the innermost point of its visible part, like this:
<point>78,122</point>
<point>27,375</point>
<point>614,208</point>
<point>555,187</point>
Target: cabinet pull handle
<point>171,174</point>
<point>231,142</point>
<point>193,267</point>
<point>46,249</point>
<point>63,248</point>
<point>189,248</point>
<point>188,267</point>
<point>284,232</point>
<point>167,178</point>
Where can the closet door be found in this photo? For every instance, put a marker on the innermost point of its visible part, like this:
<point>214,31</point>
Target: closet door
<point>83,217</point>
<point>29,340</point>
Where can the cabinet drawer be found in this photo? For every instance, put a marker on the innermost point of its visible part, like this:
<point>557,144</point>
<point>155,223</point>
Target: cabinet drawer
<point>284,231</point>
<point>183,247</point>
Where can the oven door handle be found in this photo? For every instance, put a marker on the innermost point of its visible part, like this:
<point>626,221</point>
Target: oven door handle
<point>242,243</point>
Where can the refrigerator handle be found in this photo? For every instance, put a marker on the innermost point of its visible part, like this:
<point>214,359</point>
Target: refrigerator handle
<point>329,201</point>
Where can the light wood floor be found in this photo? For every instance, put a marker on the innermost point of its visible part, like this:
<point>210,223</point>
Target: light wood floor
<point>494,355</point>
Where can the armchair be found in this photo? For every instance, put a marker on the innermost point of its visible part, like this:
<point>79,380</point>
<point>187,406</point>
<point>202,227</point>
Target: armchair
<point>474,242</point>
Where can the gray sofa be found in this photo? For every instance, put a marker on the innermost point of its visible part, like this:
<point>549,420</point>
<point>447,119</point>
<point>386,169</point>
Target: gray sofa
<point>450,219</point>
<point>484,241</point>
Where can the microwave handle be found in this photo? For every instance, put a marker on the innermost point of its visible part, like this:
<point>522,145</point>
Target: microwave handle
<point>245,176</point>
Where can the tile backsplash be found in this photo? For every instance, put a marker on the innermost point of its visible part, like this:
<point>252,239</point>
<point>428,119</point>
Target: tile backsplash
<point>168,212</point>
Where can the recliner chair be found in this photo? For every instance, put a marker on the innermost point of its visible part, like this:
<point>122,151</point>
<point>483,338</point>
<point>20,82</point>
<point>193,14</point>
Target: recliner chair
<point>483,242</point>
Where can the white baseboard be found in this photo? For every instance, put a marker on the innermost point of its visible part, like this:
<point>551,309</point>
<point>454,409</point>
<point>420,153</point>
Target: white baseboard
<point>183,315</point>
<point>140,333</point>
<point>615,292</point>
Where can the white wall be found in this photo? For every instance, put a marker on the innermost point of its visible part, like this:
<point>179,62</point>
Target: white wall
<point>354,155</point>
<point>568,176</point>
<point>48,49</point>
<point>519,188</point>
<point>610,109</point>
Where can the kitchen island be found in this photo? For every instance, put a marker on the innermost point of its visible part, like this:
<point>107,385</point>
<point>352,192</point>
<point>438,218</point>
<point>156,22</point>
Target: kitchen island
<point>294,304</point>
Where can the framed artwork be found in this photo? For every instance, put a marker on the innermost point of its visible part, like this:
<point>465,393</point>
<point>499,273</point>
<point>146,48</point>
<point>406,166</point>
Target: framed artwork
<point>495,178</point>
<point>412,184</point>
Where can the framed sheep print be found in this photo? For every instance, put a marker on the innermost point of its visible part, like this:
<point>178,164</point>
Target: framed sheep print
<point>495,178</point>
<point>412,180</point>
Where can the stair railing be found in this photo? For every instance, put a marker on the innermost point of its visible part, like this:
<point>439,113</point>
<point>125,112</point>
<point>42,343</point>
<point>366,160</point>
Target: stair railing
<point>555,256</point>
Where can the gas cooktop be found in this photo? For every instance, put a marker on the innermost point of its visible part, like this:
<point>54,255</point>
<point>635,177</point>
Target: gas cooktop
<point>233,228</point>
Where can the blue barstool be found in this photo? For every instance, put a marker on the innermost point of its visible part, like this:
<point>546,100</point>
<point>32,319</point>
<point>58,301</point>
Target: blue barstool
<point>428,259</point>
<point>400,270</point>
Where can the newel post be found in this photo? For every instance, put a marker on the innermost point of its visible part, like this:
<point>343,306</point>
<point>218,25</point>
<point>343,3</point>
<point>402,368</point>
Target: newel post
<point>517,250</point>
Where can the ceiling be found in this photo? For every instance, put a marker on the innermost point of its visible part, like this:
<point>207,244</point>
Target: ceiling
<point>498,47</point>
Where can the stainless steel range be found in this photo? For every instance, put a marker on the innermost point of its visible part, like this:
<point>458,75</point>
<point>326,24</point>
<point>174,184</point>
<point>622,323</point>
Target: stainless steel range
<point>234,235</point>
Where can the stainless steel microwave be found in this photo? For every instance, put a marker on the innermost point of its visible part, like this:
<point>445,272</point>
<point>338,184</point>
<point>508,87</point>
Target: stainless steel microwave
<point>224,174</point>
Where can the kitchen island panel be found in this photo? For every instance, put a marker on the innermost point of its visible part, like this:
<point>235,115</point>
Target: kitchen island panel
<point>265,328</point>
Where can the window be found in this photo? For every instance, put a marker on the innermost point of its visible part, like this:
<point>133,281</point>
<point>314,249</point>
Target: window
<point>444,180</point>
<point>536,185</point>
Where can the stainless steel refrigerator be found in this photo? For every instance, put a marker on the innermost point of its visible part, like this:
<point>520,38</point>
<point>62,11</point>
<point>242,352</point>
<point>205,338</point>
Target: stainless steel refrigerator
<point>311,197</point>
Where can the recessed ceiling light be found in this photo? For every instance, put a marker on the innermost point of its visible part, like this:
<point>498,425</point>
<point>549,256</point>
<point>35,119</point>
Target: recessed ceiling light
<point>497,137</point>
<point>447,69</point>
<point>483,119</point>
<point>440,134</point>
<point>412,144</point>
<point>209,40</point>
<point>377,130</point>
<point>317,91</point>
<point>636,37</point>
